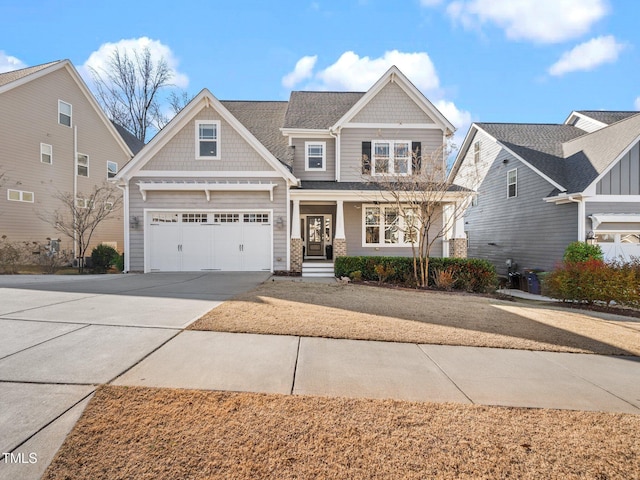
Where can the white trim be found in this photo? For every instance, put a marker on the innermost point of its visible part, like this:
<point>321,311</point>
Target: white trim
<point>198,139</point>
<point>307,168</point>
<point>70,115</point>
<point>127,227</point>
<point>287,229</point>
<point>116,164</point>
<point>306,133</point>
<point>396,126</point>
<point>147,211</point>
<point>382,243</point>
<point>359,196</point>
<point>515,183</point>
<point>305,243</point>
<point>392,145</point>
<point>615,198</point>
<point>21,196</point>
<point>591,189</point>
<point>209,173</point>
<point>584,117</point>
<point>599,218</point>
<point>394,75</point>
<point>50,153</point>
<point>206,187</point>
<point>78,154</point>
<point>203,100</point>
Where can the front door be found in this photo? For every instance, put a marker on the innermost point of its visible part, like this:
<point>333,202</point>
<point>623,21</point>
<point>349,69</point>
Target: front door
<point>315,236</point>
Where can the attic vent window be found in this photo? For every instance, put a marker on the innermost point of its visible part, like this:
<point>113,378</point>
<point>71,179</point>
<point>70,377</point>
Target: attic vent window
<point>207,139</point>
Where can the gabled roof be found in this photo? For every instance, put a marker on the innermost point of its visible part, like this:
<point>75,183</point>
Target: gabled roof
<point>206,99</point>
<point>318,110</point>
<point>263,119</point>
<point>12,76</point>
<point>607,116</point>
<point>134,143</point>
<point>568,157</point>
<point>394,75</point>
<point>14,79</point>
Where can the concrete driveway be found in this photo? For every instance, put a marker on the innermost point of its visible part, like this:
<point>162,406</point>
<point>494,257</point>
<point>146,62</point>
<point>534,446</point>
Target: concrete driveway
<point>61,336</point>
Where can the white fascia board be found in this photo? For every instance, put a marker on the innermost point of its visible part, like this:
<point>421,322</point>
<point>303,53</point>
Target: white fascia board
<point>462,152</point>
<point>592,186</point>
<point>396,76</point>
<point>515,155</point>
<point>306,132</point>
<point>423,126</point>
<point>360,195</point>
<point>208,173</point>
<point>32,76</point>
<point>584,117</point>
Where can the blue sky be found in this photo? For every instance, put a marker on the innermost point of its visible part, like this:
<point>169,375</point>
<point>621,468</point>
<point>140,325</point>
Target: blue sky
<point>477,60</point>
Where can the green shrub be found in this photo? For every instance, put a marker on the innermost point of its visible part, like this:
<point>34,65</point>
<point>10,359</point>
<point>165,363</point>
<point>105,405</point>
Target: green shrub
<point>120,263</point>
<point>470,274</point>
<point>103,257</point>
<point>581,252</point>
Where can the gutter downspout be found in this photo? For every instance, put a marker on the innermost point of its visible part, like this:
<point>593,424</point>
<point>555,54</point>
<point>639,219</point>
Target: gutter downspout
<point>125,207</point>
<point>75,190</point>
<point>581,217</point>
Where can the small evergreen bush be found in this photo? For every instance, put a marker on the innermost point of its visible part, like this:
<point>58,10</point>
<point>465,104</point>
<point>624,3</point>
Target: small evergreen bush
<point>581,252</point>
<point>103,257</point>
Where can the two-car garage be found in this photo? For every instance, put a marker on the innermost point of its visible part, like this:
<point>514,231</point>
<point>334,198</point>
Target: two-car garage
<point>187,241</point>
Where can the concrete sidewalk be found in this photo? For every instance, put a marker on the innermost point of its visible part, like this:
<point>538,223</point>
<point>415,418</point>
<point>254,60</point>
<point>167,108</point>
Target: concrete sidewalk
<point>404,371</point>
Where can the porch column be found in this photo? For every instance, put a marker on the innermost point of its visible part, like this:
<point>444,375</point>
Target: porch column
<point>296,239</point>
<point>339,241</point>
<point>458,241</point>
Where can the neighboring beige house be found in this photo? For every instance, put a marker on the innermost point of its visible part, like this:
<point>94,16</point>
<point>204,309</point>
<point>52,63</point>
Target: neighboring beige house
<point>242,185</point>
<point>54,138</point>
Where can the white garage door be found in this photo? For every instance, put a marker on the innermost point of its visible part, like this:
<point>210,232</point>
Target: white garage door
<point>619,246</point>
<point>209,241</point>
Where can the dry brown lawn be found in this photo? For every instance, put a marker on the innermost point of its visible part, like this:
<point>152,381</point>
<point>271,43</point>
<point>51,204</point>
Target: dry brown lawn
<point>142,433</point>
<point>364,312</point>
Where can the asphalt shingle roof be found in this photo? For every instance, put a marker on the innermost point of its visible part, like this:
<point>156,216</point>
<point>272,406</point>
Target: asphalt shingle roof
<point>318,110</point>
<point>8,77</point>
<point>134,144</point>
<point>264,120</point>
<point>607,116</point>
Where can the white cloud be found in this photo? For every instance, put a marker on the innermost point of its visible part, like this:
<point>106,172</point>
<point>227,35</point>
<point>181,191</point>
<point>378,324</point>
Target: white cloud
<point>302,71</point>
<point>430,3</point>
<point>100,58</point>
<point>540,21</point>
<point>588,55</point>
<point>354,73</point>
<point>636,104</point>
<point>9,63</point>
<point>461,119</point>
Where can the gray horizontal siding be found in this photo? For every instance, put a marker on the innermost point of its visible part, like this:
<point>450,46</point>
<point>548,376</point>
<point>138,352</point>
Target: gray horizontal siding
<point>351,147</point>
<point>531,232</point>
<point>624,177</point>
<point>299,160</point>
<point>391,105</point>
<point>219,200</point>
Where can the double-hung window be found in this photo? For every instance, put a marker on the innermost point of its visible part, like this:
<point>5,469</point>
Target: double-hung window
<point>112,169</point>
<point>512,183</point>
<point>315,156</point>
<point>82,165</point>
<point>20,196</point>
<point>391,157</point>
<point>207,139</point>
<point>46,153</point>
<point>64,113</point>
<point>387,225</point>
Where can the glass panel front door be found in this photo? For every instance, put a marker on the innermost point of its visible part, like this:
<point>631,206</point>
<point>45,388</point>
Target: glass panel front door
<point>315,236</point>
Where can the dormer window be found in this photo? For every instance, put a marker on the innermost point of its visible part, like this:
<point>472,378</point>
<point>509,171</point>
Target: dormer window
<point>315,156</point>
<point>207,139</point>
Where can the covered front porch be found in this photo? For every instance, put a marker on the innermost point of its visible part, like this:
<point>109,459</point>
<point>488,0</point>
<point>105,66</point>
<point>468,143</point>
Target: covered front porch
<point>329,224</point>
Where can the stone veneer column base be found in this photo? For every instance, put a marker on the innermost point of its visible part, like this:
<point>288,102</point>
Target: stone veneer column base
<point>339,247</point>
<point>458,248</point>
<point>296,255</point>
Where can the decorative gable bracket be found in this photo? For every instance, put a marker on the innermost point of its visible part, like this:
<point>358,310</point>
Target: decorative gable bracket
<point>206,187</point>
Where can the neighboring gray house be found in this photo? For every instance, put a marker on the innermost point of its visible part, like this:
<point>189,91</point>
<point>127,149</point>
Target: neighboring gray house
<point>541,186</point>
<point>243,185</point>
<point>54,138</point>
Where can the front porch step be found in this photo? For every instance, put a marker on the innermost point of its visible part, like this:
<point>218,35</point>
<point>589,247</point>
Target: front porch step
<point>317,269</point>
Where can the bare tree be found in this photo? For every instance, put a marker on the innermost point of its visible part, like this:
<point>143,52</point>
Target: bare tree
<point>422,206</point>
<point>78,217</point>
<point>128,90</point>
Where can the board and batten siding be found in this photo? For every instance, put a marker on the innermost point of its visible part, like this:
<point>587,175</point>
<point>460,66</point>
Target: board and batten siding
<point>624,177</point>
<point>236,154</point>
<point>525,228</point>
<point>351,147</point>
<point>391,105</point>
<point>233,201</point>
<point>29,118</point>
<point>353,225</point>
<point>299,160</point>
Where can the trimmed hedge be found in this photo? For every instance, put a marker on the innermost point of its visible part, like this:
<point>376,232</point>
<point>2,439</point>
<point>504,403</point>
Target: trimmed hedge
<point>471,274</point>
